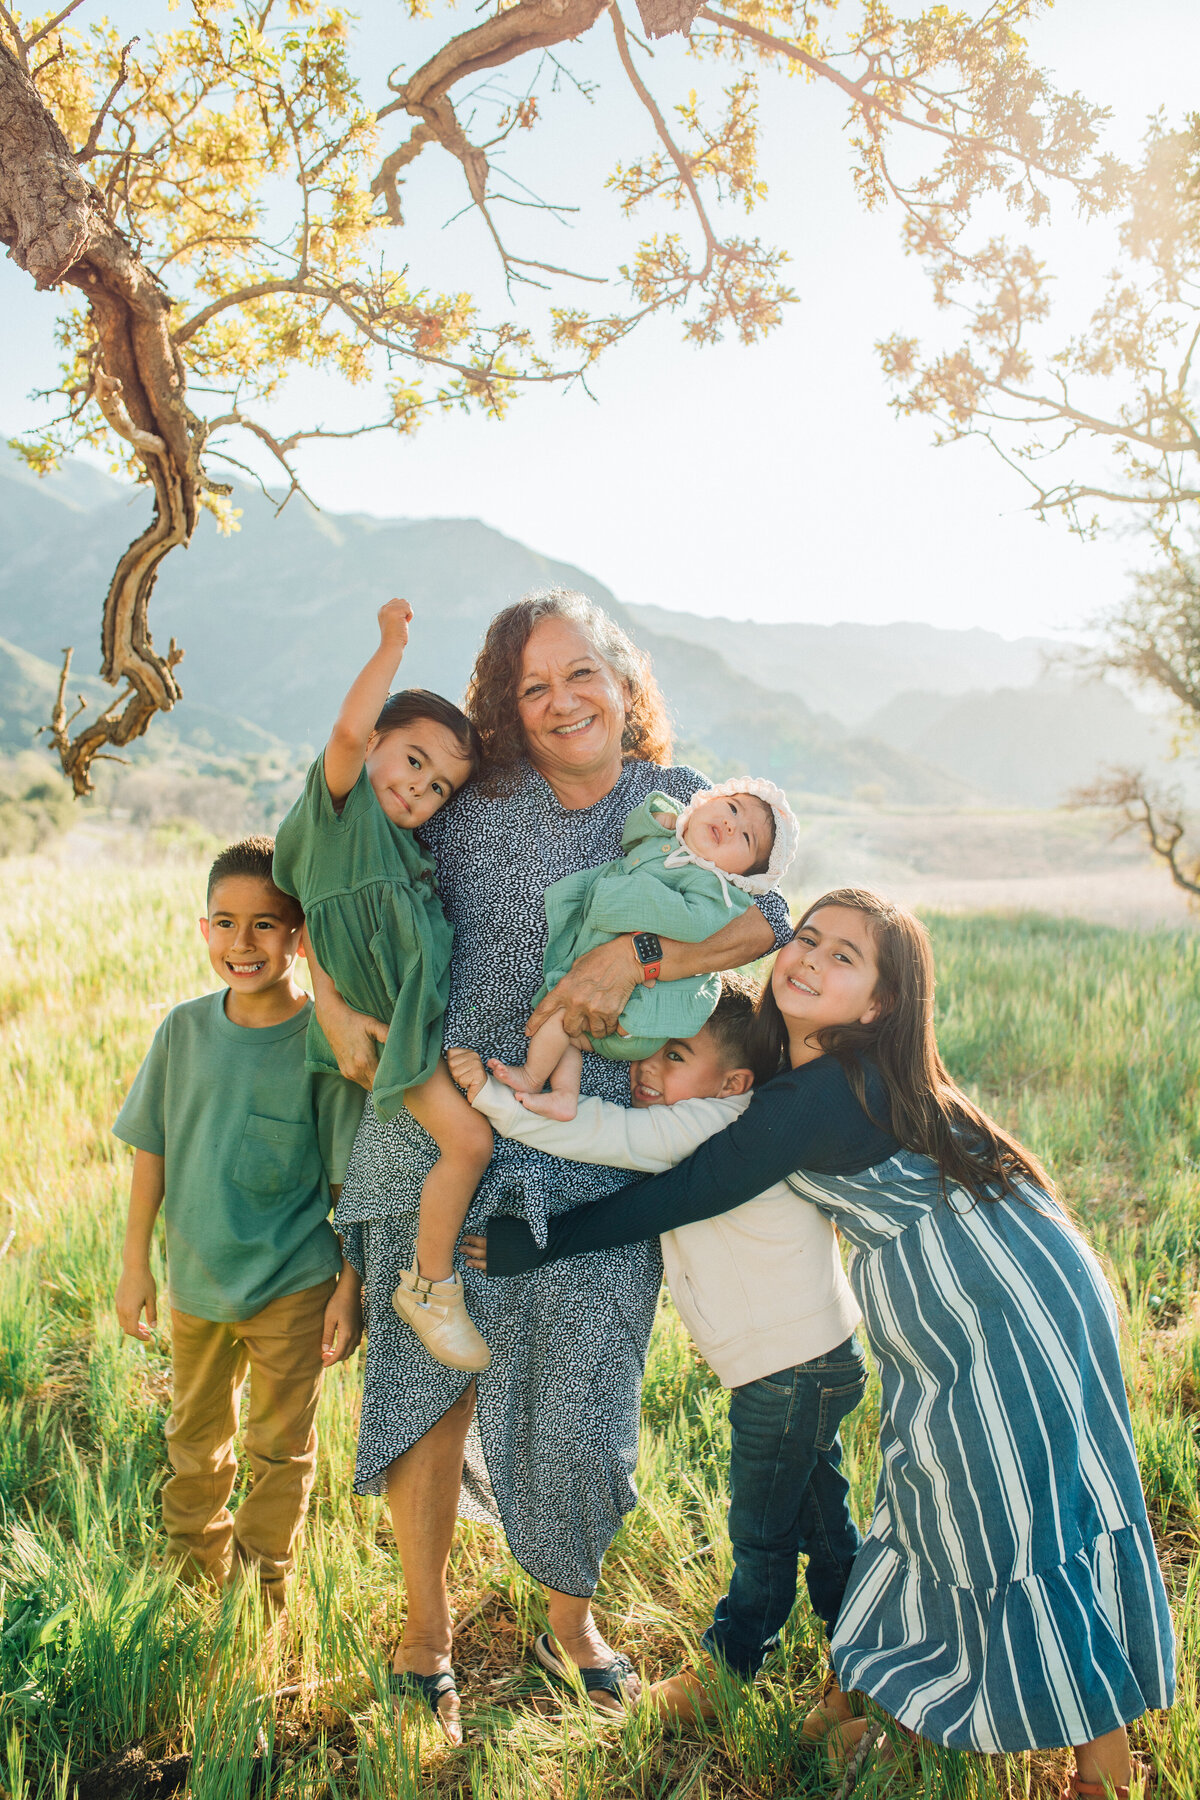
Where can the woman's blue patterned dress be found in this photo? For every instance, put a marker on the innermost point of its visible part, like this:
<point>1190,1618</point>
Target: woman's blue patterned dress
<point>1007,1595</point>
<point>558,1409</point>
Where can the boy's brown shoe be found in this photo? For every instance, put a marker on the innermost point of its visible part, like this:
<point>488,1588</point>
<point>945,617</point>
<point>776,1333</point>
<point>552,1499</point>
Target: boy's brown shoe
<point>682,1700</point>
<point>833,1708</point>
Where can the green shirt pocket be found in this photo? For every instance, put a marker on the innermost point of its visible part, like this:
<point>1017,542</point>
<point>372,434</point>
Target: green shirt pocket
<point>272,1157</point>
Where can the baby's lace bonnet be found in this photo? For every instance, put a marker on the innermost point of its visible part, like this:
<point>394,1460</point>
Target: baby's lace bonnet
<point>787,834</point>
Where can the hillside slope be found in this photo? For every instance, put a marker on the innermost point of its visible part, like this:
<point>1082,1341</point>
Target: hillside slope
<point>276,621</point>
<point>852,670</point>
<point>1034,746</point>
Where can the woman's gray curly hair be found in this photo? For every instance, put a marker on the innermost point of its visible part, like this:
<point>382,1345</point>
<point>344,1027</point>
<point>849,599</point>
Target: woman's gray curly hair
<point>491,699</point>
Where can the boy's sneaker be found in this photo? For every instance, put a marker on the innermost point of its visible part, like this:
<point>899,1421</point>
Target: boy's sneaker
<point>833,1709</point>
<point>437,1312</point>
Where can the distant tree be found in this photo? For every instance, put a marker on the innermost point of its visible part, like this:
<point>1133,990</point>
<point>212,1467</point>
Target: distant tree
<point>1107,424</point>
<point>228,206</point>
<point>1154,637</point>
<point>1103,428</point>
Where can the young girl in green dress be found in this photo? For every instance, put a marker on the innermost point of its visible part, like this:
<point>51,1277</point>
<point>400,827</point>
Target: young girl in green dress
<point>374,923</point>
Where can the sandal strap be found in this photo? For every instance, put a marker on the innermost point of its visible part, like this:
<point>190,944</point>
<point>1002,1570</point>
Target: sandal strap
<point>608,1678</point>
<point>429,1688</point>
<point>604,1678</point>
<point>1093,1790</point>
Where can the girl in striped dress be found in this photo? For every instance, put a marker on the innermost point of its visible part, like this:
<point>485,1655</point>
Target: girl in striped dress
<point>1007,1596</point>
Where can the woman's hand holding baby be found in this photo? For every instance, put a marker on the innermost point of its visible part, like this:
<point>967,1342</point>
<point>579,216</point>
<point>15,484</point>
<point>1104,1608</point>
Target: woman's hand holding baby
<point>593,995</point>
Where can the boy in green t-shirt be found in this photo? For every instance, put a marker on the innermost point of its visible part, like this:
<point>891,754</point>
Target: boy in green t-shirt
<point>243,1151</point>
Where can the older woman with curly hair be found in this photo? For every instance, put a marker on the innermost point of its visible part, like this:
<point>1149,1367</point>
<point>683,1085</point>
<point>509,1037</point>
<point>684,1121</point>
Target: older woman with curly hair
<point>576,736</point>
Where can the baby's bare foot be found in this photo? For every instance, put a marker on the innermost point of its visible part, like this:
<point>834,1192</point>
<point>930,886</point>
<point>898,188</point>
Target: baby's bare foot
<point>512,1077</point>
<point>551,1105</point>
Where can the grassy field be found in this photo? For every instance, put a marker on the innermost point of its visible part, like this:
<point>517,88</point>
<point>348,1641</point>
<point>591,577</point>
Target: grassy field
<point>1081,1038</point>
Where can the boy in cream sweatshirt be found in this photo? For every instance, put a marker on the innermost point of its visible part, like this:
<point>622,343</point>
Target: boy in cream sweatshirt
<point>762,1291</point>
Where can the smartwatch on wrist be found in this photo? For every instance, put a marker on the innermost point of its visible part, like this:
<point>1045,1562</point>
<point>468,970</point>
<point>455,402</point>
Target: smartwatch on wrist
<point>649,952</point>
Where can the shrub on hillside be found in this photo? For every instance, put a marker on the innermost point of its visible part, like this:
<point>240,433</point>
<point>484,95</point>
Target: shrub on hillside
<point>35,805</point>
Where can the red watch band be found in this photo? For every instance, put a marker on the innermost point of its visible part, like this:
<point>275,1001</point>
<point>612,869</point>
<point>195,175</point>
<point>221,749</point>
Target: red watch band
<point>650,973</point>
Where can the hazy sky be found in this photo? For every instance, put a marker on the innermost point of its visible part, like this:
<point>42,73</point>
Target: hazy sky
<point>771,482</point>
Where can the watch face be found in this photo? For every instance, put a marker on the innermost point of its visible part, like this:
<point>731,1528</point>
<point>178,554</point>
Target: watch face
<point>646,947</point>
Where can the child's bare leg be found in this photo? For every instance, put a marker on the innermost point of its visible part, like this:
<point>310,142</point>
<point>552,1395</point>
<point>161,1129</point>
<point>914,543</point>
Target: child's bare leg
<point>429,1296</point>
<point>562,1102</point>
<point>546,1048</point>
<point>1105,1759</point>
<point>464,1140</point>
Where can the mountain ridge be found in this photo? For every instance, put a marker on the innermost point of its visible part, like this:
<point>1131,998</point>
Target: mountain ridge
<point>276,622</point>
<point>275,625</point>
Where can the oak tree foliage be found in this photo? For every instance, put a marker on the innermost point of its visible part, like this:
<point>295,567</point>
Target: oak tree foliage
<point>225,203</point>
<point>1104,427</point>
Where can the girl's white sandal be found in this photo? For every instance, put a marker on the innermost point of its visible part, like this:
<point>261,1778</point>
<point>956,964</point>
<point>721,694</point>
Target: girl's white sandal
<point>437,1312</point>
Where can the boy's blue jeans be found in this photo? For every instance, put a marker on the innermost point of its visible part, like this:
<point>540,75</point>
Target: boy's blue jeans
<point>788,1497</point>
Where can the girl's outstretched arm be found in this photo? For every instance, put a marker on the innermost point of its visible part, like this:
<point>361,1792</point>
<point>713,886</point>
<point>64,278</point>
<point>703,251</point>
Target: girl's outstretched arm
<point>805,1119</point>
<point>346,750</point>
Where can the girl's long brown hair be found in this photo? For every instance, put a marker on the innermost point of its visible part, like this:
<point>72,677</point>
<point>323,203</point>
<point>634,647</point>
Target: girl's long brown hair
<point>491,701</point>
<point>929,1112</point>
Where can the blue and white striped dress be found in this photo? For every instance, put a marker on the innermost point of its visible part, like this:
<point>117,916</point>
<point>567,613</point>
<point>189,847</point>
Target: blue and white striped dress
<point>1007,1595</point>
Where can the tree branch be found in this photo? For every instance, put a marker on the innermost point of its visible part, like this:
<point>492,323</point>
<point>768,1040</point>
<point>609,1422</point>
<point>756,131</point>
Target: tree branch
<point>57,229</point>
<point>19,51</point>
<point>344,300</point>
<point>93,136</point>
<point>857,92</point>
<point>53,24</point>
<point>529,25</point>
<point>1145,810</point>
<point>660,125</point>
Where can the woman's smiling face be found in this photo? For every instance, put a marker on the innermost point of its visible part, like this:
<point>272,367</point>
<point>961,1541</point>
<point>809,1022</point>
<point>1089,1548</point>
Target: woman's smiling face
<point>572,706</point>
<point>827,975</point>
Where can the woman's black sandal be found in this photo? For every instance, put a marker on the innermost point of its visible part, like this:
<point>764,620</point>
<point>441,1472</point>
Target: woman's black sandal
<point>607,1678</point>
<point>430,1688</point>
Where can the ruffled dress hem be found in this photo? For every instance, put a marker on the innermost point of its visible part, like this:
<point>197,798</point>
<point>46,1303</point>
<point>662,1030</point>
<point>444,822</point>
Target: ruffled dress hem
<point>1058,1658</point>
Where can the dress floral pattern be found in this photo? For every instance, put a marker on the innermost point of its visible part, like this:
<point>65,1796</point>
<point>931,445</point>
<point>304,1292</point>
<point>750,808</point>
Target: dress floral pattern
<point>555,1443</point>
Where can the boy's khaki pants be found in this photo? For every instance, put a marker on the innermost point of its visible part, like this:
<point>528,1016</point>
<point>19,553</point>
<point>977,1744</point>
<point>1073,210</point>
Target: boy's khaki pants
<point>280,1350</point>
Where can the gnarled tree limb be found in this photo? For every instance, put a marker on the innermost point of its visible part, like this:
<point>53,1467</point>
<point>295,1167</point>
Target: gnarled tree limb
<point>57,227</point>
<point>1156,815</point>
<point>662,17</point>
<point>530,25</point>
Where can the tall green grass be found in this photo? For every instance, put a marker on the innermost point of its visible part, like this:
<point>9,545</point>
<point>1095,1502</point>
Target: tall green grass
<point>1081,1039</point>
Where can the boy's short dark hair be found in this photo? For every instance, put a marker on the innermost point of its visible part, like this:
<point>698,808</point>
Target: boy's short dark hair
<point>250,856</point>
<point>410,704</point>
<point>731,1023</point>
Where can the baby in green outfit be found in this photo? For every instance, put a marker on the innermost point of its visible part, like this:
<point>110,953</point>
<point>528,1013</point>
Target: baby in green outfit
<point>684,874</point>
<point>374,922</point>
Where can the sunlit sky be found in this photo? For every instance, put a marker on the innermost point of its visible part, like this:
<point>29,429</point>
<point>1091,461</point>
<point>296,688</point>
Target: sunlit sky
<point>770,482</point>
